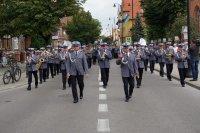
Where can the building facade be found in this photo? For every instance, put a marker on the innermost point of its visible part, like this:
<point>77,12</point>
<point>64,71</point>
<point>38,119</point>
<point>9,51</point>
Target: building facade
<point>130,8</point>
<point>195,12</point>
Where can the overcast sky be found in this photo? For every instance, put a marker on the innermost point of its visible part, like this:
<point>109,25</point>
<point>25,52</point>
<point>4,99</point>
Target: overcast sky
<point>103,10</point>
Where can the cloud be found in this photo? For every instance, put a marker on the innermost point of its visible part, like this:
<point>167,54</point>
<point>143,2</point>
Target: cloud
<point>103,10</point>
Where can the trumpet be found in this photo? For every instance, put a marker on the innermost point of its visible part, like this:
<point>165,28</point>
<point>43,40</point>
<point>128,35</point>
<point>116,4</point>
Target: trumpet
<point>139,54</point>
<point>103,55</point>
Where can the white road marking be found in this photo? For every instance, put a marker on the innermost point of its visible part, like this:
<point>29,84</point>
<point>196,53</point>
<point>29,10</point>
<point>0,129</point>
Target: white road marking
<point>103,108</point>
<point>100,83</point>
<point>102,89</point>
<point>102,96</point>
<point>103,125</point>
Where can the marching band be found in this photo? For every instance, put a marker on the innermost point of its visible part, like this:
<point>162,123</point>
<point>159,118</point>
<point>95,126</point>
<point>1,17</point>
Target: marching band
<point>73,61</point>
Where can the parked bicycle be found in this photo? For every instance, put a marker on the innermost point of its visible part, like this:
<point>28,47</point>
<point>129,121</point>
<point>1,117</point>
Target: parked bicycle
<point>13,73</point>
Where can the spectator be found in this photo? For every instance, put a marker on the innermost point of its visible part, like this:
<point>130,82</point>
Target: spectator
<point>194,56</point>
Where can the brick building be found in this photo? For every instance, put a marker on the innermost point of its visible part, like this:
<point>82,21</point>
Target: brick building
<point>127,6</point>
<point>195,12</point>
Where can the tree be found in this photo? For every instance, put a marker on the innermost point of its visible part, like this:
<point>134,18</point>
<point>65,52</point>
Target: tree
<point>161,14</point>
<point>137,31</point>
<point>34,17</point>
<point>83,28</point>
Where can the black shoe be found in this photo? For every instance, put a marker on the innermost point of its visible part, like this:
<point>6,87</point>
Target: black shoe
<point>130,96</point>
<point>64,87</point>
<point>81,97</point>
<point>36,86</point>
<point>138,86</point>
<point>75,101</point>
<point>44,80</point>
<point>183,85</point>
<point>127,100</point>
<point>104,86</point>
<point>29,88</point>
<point>193,80</point>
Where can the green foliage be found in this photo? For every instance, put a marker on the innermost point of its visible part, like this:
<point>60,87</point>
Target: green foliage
<point>83,28</point>
<point>34,17</point>
<point>161,14</point>
<point>106,39</point>
<point>138,30</point>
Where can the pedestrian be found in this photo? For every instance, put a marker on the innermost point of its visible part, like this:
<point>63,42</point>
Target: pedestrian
<point>88,53</point>
<point>64,57</point>
<point>181,57</point>
<point>169,60</point>
<point>43,67</point>
<point>104,56</point>
<point>129,70</point>
<point>160,54</point>
<point>50,64</point>
<point>152,57</point>
<point>78,67</point>
<point>194,58</point>
<point>146,57</point>
<point>140,57</point>
<point>31,68</point>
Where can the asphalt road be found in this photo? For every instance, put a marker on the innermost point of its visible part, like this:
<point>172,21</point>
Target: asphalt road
<point>158,107</point>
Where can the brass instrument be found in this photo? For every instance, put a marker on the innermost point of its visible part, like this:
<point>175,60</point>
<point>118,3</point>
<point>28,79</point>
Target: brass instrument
<point>103,56</point>
<point>40,61</point>
<point>139,54</point>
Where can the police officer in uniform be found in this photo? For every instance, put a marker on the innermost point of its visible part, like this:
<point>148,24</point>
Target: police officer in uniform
<point>169,60</point>
<point>129,70</point>
<point>43,67</point>
<point>182,60</point>
<point>140,56</point>
<point>88,53</point>
<point>50,64</point>
<point>78,67</point>
<point>31,68</point>
<point>160,53</point>
<point>104,56</point>
<point>63,56</point>
<point>152,57</point>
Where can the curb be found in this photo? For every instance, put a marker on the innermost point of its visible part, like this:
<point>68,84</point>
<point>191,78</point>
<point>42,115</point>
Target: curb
<point>176,78</point>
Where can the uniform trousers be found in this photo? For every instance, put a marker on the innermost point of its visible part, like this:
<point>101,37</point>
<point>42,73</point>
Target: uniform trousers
<point>64,78</point>
<point>146,61</point>
<point>162,64</point>
<point>50,68</point>
<point>128,86</point>
<point>182,74</point>
<point>56,69</point>
<point>42,74</point>
<point>169,68</point>
<point>105,75</point>
<point>74,80</point>
<point>139,79</point>
<point>89,61</point>
<point>152,66</point>
<point>34,73</point>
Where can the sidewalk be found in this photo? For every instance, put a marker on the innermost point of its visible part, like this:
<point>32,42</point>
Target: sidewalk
<point>22,81</point>
<point>175,75</point>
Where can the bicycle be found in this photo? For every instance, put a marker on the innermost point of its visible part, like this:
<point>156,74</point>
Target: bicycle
<point>14,72</point>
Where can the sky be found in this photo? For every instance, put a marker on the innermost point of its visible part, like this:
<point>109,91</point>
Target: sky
<point>103,10</point>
